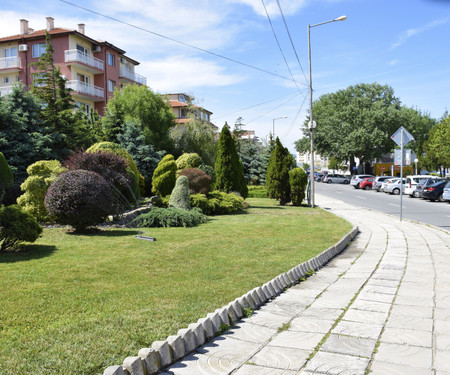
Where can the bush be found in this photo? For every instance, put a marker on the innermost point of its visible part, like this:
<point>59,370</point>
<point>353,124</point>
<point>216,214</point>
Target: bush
<point>132,168</point>
<point>40,176</point>
<point>188,161</point>
<point>164,177</point>
<point>180,194</point>
<point>298,180</point>
<point>257,191</point>
<point>6,176</point>
<point>114,169</point>
<point>17,226</point>
<point>277,177</point>
<point>80,198</point>
<point>218,203</point>
<point>169,217</point>
<point>199,181</point>
<point>209,171</point>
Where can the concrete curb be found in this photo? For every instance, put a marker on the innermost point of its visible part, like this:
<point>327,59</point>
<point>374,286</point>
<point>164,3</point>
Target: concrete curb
<point>163,353</point>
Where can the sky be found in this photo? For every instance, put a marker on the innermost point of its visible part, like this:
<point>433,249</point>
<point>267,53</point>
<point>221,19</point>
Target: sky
<point>249,58</point>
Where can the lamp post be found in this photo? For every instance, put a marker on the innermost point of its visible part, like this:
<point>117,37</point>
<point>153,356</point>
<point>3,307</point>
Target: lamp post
<point>416,161</point>
<point>273,124</point>
<point>312,123</point>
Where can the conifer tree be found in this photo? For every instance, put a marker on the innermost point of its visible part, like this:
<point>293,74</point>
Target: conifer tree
<point>277,178</point>
<point>228,167</point>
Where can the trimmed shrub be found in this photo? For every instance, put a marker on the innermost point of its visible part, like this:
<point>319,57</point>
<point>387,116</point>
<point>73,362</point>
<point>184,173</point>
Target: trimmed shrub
<point>199,181</point>
<point>164,177</point>
<point>17,226</point>
<point>277,177</point>
<point>218,203</point>
<point>40,176</point>
<point>6,176</point>
<point>209,171</point>
<point>298,180</point>
<point>169,217</point>
<point>119,150</point>
<point>114,169</point>
<point>180,194</point>
<point>192,160</point>
<point>257,191</point>
<point>80,198</point>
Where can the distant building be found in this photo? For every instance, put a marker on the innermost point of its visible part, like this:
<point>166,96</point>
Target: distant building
<point>320,163</point>
<point>93,68</point>
<point>180,103</point>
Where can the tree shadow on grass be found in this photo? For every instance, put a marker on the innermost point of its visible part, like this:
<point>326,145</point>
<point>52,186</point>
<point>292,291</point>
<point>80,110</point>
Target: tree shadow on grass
<point>27,252</point>
<point>96,232</point>
<point>268,208</point>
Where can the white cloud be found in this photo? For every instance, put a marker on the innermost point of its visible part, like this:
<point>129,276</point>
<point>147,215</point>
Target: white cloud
<point>288,7</point>
<point>182,73</point>
<point>394,62</point>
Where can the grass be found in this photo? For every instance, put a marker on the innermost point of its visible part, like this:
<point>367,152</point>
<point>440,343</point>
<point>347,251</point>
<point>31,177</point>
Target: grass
<point>75,304</point>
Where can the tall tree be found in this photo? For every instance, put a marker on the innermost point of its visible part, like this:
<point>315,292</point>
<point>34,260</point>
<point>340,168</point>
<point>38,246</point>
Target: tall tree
<point>277,178</point>
<point>228,167</point>
<point>254,158</point>
<point>437,148</point>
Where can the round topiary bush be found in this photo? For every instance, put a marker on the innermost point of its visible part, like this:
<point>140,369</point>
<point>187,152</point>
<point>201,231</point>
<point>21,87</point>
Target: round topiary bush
<point>164,177</point>
<point>199,181</point>
<point>180,194</point>
<point>17,226</point>
<point>192,160</point>
<point>80,198</point>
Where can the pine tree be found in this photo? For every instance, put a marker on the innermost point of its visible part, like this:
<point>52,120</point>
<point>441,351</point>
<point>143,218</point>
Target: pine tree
<point>277,178</point>
<point>228,167</point>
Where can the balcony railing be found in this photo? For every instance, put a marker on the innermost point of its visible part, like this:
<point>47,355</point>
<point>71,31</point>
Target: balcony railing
<point>6,90</point>
<point>73,55</point>
<point>86,89</point>
<point>10,62</point>
<point>132,76</point>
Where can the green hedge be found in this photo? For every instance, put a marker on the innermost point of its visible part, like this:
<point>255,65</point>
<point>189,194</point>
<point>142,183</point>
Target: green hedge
<point>169,217</point>
<point>257,191</point>
<point>218,203</point>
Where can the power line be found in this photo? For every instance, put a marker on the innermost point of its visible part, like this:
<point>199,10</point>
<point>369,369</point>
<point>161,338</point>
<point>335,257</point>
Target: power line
<point>178,41</point>
<point>290,38</point>
<point>279,46</point>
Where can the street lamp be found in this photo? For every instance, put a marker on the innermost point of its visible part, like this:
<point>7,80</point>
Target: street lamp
<point>416,161</point>
<point>273,124</point>
<point>312,123</point>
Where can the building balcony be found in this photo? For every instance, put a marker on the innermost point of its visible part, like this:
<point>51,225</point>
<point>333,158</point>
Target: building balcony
<point>10,63</point>
<point>84,61</point>
<point>86,90</point>
<point>132,76</point>
<point>5,90</point>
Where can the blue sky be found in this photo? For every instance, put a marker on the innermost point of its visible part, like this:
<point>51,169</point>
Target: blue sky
<point>401,43</point>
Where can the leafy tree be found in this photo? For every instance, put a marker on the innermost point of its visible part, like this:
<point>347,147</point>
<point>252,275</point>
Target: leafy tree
<point>297,180</point>
<point>17,226</point>
<point>144,155</point>
<point>303,145</point>
<point>164,177</point>
<point>437,148</point>
<point>40,176</point>
<point>333,163</point>
<point>277,178</point>
<point>228,167</point>
<point>6,176</point>
<point>150,111</point>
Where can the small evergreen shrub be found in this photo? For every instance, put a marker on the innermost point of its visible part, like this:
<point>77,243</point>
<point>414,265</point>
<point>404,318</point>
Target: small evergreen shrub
<point>164,177</point>
<point>257,191</point>
<point>80,198</point>
<point>17,226</point>
<point>6,176</point>
<point>298,180</point>
<point>218,203</point>
<point>192,160</point>
<point>209,171</point>
<point>169,217</point>
<point>40,176</point>
<point>199,181</point>
<point>180,194</point>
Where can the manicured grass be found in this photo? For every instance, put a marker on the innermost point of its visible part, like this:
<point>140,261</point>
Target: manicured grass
<point>76,304</point>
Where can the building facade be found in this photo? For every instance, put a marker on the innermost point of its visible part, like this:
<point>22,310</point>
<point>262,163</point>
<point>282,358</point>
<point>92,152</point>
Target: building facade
<point>93,68</point>
<point>180,103</point>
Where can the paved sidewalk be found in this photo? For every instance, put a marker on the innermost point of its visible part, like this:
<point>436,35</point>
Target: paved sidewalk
<point>382,305</point>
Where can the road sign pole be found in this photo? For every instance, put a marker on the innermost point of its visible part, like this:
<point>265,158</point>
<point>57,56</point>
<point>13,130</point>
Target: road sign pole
<point>401,176</point>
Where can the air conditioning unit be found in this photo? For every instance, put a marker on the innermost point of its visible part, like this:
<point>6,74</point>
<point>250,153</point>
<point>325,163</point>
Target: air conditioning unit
<point>96,49</point>
<point>23,47</point>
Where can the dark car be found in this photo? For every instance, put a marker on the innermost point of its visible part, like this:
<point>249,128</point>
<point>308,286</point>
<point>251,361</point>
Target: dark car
<point>434,192</point>
<point>417,193</point>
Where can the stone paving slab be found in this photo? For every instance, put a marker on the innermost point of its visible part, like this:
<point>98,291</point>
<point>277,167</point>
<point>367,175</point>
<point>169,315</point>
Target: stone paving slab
<point>336,364</point>
<point>356,346</point>
<point>297,340</point>
<point>259,370</point>
<point>385,368</point>
<point>412,337</point>
<point>408,355</point>
<point>281,357</point>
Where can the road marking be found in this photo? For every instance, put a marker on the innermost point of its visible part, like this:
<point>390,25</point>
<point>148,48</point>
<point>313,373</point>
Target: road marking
<point>392,204</point>
<point>360,197</point>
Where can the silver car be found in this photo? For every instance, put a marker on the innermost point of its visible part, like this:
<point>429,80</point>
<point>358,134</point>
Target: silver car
<point>379,181</point>
<point>336,178</point>
<point>387,182</point>
<point>446,192</point>
<point>395,186</point>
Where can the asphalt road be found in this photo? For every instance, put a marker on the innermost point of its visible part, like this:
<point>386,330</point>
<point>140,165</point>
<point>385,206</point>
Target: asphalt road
<point>434,213</point>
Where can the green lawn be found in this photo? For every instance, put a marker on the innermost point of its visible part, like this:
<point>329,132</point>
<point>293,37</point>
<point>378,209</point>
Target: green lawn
<point>76,304</point>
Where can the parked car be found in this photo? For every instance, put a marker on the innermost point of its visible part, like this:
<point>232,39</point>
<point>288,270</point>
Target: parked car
<point>367,183</point>
<point>395,186</point>
<point>412,182</point>
<point>318,177</point>
<point>387,182</point>
<point>435,191</point>
<point>446,192</point>
<point>417,193</point>
<point>376,185</point>
<point>358,178</point>
<point>336,178</point>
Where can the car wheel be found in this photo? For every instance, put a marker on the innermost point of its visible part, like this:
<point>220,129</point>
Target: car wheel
<point>329,182</point>
<point>367,187</point>
<point>441,198</point>
<point>415,195</point>
<point>346,182</point>
<point>396,191</point>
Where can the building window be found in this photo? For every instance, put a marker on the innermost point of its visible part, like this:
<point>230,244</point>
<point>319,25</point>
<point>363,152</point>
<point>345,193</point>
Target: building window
<point>38,49</point>
<point>17,78</point>
<point>6,79</point>
<point>111,85</point>
<point>181,98</point>
<point>110,59</point>
<point>37,77</point>
<point>82,49</point>
<point>11,52</point>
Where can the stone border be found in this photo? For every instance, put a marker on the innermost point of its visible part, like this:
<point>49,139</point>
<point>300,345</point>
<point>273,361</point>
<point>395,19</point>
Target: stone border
<point>164,353</point>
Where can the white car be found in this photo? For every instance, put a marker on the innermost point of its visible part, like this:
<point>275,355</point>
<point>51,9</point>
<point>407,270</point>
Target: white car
<point>412,181</point>
<point>395,186</point>
<point>387,182</point>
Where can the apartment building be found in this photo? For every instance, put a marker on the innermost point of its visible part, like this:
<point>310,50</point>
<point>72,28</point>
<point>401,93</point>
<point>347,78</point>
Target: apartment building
<point>180,103</point>
<point>93,68</point>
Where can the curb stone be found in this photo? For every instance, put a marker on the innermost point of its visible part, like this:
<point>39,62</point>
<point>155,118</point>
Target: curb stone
<point>164,353</point>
